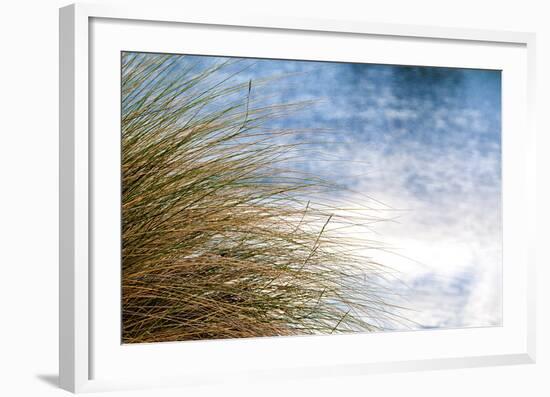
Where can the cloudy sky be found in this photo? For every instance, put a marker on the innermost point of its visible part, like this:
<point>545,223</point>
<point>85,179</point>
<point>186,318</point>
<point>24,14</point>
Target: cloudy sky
<point>423,141</point>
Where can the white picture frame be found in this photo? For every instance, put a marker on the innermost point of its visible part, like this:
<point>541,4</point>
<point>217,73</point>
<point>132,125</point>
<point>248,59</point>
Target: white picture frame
<point>88,359</point>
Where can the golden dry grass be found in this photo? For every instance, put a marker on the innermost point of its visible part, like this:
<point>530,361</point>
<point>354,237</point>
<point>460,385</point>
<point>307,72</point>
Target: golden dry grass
<point>218,238</point>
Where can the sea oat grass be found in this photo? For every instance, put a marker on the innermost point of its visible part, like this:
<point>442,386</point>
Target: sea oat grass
<point>220,238</point>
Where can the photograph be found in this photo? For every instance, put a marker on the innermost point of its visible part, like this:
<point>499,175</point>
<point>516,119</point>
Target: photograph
<point>255,199</point>
<point>282,197</point>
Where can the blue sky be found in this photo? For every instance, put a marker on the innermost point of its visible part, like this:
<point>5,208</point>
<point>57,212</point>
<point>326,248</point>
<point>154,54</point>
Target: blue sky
<point>424,141</point>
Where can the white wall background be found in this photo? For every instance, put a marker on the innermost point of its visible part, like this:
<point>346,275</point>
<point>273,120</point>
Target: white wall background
<point>28,198</point>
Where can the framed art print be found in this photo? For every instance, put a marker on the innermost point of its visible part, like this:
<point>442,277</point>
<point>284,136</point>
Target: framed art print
<point>273,197</point>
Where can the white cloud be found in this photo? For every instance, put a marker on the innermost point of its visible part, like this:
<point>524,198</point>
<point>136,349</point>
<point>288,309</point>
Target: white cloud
<point>445,242</point>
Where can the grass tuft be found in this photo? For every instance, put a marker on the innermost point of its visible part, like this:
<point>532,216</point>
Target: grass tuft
<point>220,239</point>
